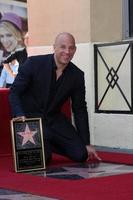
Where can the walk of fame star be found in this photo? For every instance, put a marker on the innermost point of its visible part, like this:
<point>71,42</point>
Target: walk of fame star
<point>27,135</point>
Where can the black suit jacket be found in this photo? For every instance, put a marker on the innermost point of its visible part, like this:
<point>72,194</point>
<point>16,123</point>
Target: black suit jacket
<point>30,91</point>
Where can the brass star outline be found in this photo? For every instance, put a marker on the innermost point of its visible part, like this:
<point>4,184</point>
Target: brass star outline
<point>27,135</point>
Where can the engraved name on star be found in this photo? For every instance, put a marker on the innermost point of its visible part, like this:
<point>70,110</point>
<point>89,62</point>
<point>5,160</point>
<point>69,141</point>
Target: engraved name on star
<point>27,135</point>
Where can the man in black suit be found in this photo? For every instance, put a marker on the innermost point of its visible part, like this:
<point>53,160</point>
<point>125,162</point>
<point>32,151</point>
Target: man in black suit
<point>40,89</point>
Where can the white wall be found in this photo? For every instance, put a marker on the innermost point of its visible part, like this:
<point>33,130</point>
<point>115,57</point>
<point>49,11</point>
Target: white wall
<point>111,130</point>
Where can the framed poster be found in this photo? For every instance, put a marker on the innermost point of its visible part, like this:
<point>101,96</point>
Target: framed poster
<point>13,26</point>
<point>28,145</point>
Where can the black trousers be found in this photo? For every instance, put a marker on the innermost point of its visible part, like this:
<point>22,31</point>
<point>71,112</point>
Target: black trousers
<point>61,137</point>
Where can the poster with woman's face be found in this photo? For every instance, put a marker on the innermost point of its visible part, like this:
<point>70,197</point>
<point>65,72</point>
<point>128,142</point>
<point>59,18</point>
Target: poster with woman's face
<point>13,26</point>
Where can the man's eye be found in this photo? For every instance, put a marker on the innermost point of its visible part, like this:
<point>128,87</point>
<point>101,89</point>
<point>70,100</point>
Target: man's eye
<point>72,48</point>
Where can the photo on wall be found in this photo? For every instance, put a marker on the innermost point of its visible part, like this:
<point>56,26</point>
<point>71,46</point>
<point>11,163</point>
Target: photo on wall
<point>13,26</point>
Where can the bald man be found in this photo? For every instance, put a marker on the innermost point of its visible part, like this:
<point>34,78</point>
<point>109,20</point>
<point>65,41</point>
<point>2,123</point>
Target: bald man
<point>42,86</point>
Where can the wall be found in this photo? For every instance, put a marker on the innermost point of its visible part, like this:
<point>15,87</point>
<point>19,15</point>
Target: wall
<point>106,20</point>
<point>47,18</point>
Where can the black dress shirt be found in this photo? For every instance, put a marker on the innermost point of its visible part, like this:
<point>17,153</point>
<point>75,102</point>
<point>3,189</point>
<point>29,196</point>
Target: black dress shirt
<point>55,83</point>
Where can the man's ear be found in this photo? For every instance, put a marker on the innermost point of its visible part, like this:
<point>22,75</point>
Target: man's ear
<point>75,48</point>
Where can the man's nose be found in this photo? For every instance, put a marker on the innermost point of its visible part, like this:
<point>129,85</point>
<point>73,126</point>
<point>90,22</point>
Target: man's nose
<point>67,50</point>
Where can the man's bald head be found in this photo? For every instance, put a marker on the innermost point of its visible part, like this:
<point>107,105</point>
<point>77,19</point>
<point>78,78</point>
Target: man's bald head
<point>64,35</point>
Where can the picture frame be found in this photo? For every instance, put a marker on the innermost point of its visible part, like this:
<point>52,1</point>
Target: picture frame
<point>18,8</point>
<point>28,145</point>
